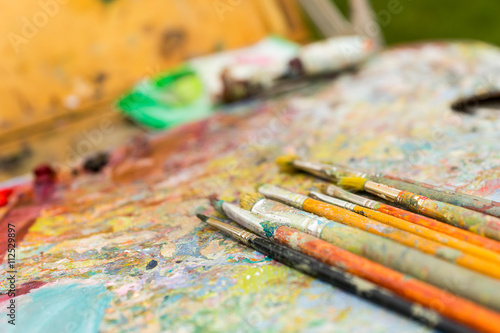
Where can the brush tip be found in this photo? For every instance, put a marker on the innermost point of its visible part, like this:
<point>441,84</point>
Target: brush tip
<point>285,163</point>
<point>314,194</point>
<point>352,183</point>
<point>248,200</point>
<point>202,217</point>
<point>217,204</point>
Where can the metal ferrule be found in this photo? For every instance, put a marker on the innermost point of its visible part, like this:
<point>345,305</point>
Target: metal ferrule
<point>315,168</point>
<point>273,192</point>
<point>383,191</point>
<point>327,171</point>
<point>290,216</point>
<point>244,218</point>
<point>237,233</point>
<point>343,171</point>
<point>336,191</point>
<point>331,200</point>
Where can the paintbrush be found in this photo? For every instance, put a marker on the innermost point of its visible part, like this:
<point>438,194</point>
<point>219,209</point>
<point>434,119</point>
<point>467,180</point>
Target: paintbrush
<point>445,275</point>
<point>368,220</point>
<point>290,163</point>
<point>464,218</point>
<point>408,234</point>
<point>482,243</point>
<point>331,173</point>
<point>448,241</point>
<point>328,255</point>
<point>475,203</point>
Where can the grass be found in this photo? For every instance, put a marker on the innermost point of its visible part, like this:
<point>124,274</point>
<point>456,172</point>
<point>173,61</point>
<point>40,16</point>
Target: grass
<point>438,19</point>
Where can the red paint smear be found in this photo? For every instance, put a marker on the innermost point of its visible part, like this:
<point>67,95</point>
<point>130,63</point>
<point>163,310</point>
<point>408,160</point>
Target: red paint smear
<point>4,196</point>
<point>24,289</point>
<point>22,218</point>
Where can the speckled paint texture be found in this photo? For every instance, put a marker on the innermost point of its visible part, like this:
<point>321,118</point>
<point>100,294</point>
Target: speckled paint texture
<point>391,116</point>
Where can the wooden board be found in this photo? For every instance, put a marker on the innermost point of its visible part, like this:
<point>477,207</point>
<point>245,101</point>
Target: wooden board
<point>60,57</point>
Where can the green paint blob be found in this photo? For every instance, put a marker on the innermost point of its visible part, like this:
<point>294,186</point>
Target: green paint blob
<point>269,227</point>
<point>170,99</point>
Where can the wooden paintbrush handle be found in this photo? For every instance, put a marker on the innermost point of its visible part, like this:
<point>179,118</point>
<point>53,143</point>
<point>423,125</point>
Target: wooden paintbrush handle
<point>445,275</point>
<point>365,289</point>
<point>452,197</point>
<point>461,234</point>
<point>467,219</point>
<point>411,289</point>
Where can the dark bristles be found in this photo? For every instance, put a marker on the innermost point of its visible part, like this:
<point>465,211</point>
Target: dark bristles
<point>225,219</point>
<point>202,217</point>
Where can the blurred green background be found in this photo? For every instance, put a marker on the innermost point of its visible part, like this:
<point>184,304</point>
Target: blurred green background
<point>439,19</point>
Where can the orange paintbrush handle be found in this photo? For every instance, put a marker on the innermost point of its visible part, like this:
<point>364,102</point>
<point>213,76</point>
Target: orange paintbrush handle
<point>376,211</point>
<point>464,218</point>
<point>444,228</point>
<point>463,235</point>
<point>429,234</point>
<point>467,283</point>
<point>377,228</point>
<point>412,289</point>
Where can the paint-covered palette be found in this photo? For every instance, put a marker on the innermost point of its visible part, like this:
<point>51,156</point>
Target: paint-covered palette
<point>119,256</point>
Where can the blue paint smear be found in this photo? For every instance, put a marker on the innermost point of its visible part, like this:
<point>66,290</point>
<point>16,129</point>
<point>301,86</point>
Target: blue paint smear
<point>188,247</point>
<point>64,308</point>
